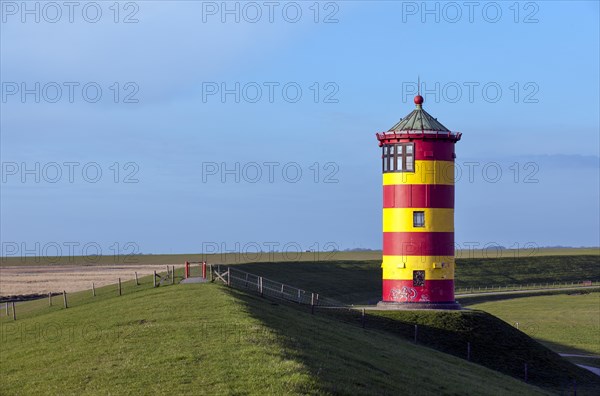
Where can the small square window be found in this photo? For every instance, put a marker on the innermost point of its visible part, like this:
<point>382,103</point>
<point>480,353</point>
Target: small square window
<point>418,219</point>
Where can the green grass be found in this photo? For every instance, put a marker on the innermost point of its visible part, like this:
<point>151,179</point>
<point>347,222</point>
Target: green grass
<point>565,323</point>
<point>494,344</point>
<point>527,270</point>
<point>207,339</point>
<point>359,282</point>
<point>292,256</point>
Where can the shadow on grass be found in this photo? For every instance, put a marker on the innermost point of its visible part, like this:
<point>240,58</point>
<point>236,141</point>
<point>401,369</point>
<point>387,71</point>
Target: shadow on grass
<point>351,282</point>
<point>493,343</point>
<point>561,348</point>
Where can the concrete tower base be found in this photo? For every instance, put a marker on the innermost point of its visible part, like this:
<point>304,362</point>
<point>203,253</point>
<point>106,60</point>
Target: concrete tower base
<point>391,305</point>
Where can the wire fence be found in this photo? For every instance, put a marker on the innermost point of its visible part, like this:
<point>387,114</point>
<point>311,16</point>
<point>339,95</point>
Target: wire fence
<point>270,288</point>
<point>13,308</point>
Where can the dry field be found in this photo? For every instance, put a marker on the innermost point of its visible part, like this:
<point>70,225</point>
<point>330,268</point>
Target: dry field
<point>20,280</point>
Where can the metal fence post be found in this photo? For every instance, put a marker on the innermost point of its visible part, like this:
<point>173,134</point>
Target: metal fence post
<point>312,303</point>
<point>119,286</point>
<point>137,283</point>
<point>154,279</point>
<point>14,311</point>
<point>416,332</point>
<point>260,285</point>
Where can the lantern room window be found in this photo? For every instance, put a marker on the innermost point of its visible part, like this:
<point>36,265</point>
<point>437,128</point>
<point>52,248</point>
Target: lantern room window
<point>398,157</point>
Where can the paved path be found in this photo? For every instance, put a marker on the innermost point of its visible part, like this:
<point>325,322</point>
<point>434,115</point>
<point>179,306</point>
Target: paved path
<point>194,280</point>
<point>594,370</point>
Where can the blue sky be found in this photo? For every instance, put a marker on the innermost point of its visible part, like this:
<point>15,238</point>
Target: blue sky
<point>532,115</point>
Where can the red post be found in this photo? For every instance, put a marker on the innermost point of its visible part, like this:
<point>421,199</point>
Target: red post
<point>187,270</point>
<point>204,270</point>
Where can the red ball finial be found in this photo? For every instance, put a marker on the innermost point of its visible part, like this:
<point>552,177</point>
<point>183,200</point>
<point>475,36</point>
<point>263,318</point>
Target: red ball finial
<point>418,100</point>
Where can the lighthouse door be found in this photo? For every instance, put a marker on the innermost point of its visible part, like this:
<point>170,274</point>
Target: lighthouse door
<point>418,278</point>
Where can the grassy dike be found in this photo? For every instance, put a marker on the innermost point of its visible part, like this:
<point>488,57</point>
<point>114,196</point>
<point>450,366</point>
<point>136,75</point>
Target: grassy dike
<point>207,339</point>
<point>359,282</point>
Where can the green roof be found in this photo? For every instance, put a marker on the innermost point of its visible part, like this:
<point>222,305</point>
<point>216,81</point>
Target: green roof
<point>419,120</point>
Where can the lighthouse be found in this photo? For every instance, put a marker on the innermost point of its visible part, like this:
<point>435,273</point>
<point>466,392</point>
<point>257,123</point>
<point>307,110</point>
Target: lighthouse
<point>418,212</point>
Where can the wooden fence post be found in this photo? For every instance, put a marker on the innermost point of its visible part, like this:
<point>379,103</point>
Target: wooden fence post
<point>49,299</point>
<point>93,290</point>
<point>137,283</point>
<point>167,271</point>
<point>65,299</point>
<point>154,279</point>
<point>228,276</point>
<point>119,286</point>
<point>14,311</point>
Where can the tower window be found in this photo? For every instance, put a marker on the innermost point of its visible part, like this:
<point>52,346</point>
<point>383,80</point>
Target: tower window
<point>398,157</point>
<point>418,219</point>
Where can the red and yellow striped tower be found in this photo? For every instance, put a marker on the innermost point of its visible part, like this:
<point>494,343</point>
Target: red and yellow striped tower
<point>418,212</point>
